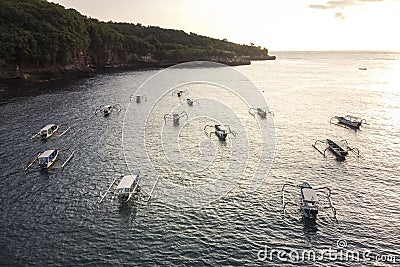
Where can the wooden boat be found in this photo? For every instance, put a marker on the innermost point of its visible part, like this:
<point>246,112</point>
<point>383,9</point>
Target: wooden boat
<point>309,201</point>
<point>126,188</point>
<point>221,131</point>
<point>47,158</point>
<point>262,112</point>
<point>190,101</point>
<point>138,98</point>
<point>349,121</point>
<point>175,117</point>
<point>49,130</point>
<point>107,109</point>
<point>309,205</point>
<point>180,93</point>
<point>338,151</point>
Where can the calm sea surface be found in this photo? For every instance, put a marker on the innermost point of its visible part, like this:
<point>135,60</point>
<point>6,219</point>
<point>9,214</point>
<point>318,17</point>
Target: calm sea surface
<point>53,217</point>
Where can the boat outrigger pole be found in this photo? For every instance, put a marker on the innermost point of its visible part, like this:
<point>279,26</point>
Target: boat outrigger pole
<point>108,190</point>
<point>353,150</point>
<point>34,136</point>
<point>61,134</point>
<point>68,159</point>
<point>314,146</point>
<point>152,189</point>
<point>134,189</point>
<point>336,123</point>
<point>32,162</point>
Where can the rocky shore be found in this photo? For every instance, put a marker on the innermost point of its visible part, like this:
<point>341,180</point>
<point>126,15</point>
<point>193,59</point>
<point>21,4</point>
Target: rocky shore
<point>89,66</point>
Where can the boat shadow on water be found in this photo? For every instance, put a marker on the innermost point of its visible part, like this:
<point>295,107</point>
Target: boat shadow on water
<point>310,226</point>
<point>127,212</point>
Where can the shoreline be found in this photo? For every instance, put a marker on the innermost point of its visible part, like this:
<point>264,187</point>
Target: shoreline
<point>51,73</point>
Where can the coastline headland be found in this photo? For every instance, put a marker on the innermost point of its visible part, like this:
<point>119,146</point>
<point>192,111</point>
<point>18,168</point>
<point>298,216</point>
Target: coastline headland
<point>43,41</point>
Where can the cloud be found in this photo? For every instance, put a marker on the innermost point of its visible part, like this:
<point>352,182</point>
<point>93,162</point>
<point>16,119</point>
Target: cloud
<point>339,15</point>
<point>319,6</point>
<point>342,4</point>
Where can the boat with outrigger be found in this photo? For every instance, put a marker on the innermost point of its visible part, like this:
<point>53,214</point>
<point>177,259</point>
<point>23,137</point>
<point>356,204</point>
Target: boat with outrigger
<point>175,117</point>
<point>221,131</point>
<point>348,121</point>
<point>108,109</point>
<point>138,98</point>
<point>50,130</point>
<point>180,93</point>
<point>190,101</point>
<point>309,200</point>
<point>262,112</point>
<point>336,149</point>
<point>127,187</point>
<point>47,158</point>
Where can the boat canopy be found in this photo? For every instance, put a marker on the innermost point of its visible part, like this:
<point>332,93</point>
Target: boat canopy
<point>305,184</point>
<point>46,154</point>
<point>127,182</point>
<point>220,127</point>
<point>47,127</point>
<point>309,194</point>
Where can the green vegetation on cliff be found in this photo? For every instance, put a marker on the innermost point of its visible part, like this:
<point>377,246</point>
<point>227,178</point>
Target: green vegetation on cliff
<point>37,34</point>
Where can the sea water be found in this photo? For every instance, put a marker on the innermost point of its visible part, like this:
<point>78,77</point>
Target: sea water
<point>53,217</point>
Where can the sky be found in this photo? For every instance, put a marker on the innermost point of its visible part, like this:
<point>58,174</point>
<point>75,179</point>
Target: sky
<point>278,25</point>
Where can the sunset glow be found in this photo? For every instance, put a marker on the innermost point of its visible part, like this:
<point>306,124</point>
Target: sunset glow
<point>277,25</point>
